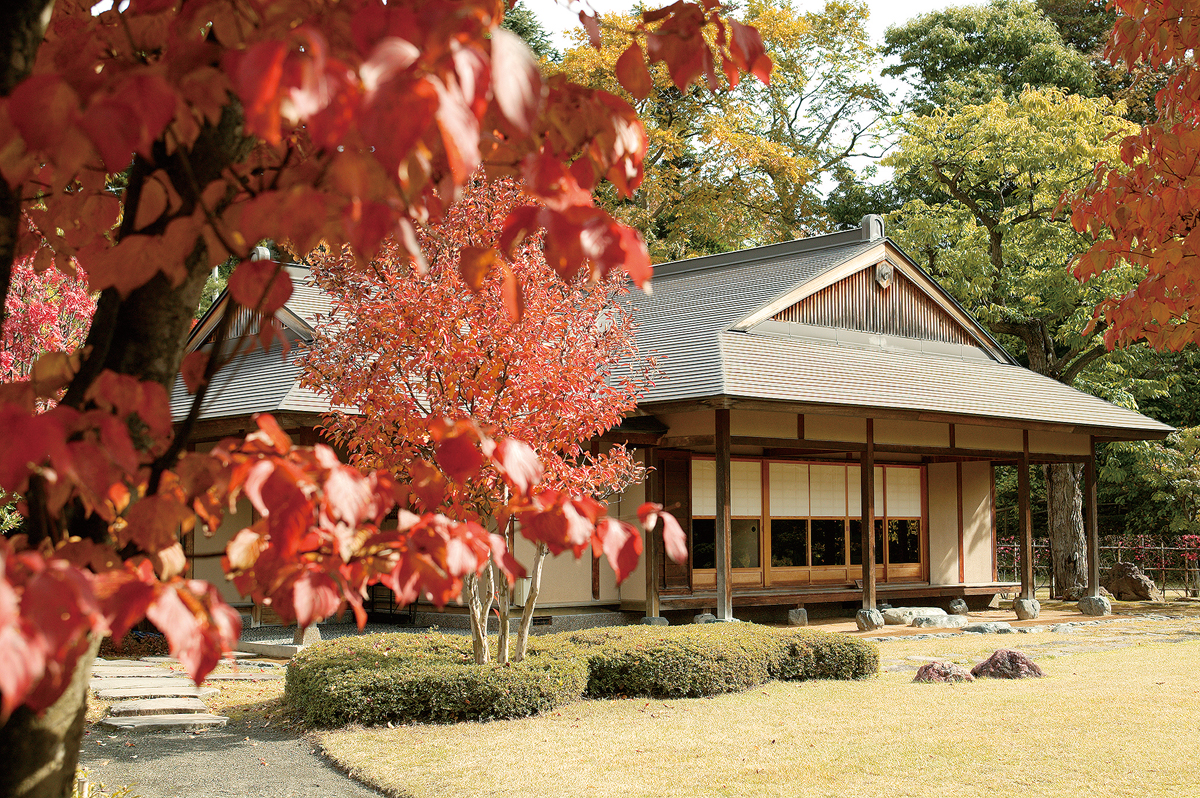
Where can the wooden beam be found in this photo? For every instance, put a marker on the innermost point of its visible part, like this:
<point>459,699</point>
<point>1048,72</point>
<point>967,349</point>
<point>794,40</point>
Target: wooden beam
<point>1091,523</point>
<point>1025,521</point>
<point>892,413</point>
<point>962,532</point>
<point>724,520</point>
<point>650,549</point>
<point>866,481</point>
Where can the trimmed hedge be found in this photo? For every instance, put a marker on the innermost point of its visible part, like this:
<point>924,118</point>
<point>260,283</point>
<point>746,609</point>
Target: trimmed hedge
<point>406,678</point>
<point>432,678</point>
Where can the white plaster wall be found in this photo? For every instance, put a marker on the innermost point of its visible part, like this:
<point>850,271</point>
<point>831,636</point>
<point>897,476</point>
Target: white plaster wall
<point>835,428</point>
<point>977,521</point>
<point>911,433</point>
<point>999,438</point>
<point>763,424</point>
<point>942,482</point>
<point>209,568</point>
<point>1059,443</point>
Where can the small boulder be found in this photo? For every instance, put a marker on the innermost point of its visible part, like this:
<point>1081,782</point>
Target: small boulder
<point>798,617</point>
<point>939,672</point>
<point>1095,605</point>
<point>940,622</point>
<point>1127,582</point>
<point>958,606</point>
<point>1007,664</point>
<point>306,636</point>
<point>654,620</point>
<point>868,620</point>
<point>705,617</point>
<point>903,616</point>
<point>1027,609</point>
<point>989,627</point>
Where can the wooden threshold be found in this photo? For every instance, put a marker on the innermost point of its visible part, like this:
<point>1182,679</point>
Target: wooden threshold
<point>822,595</point>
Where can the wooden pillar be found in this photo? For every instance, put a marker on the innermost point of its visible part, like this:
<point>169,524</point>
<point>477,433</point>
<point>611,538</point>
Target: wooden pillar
<point>1025,520</point>
<point>866,480</point>
<point>1090,520</point>
<point>724,520</point>
<point>651,549</point>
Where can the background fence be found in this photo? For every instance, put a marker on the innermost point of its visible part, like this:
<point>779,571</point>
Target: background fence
<point>1173,565</point>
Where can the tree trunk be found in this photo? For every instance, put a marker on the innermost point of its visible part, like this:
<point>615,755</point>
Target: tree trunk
<point>535,585</point>
<point>502,599</point>
<point>1068,543</point>
<point>480,592</point>
<point>39,755</point>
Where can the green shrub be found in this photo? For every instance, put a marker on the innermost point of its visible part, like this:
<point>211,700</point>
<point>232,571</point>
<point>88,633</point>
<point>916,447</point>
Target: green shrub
<point>404,678</point>
<point>432,678</point>
<point>135,645</point>
<point>837,656</point>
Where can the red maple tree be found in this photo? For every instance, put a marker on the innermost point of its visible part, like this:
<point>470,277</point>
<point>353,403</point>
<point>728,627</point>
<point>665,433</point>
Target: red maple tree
<point>1150,202</point>
<point>517,351</point>
<point>45,312</point>
<point>232,121</point>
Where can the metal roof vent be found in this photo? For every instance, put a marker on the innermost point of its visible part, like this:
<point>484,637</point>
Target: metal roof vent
<point>872,227</point>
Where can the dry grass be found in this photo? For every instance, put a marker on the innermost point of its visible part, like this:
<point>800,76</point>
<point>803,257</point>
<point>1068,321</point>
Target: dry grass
<point>1108,722</point>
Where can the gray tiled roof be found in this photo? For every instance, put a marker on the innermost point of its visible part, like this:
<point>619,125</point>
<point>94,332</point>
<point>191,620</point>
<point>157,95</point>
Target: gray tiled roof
<point>693,301</point>
<point>809,371</point>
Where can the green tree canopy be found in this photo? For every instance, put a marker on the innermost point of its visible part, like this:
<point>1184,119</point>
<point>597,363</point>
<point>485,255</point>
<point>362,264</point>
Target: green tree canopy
<point>969,54</point>
<point>742,167</point>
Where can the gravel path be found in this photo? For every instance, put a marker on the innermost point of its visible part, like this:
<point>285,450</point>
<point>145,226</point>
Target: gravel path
<point>233,762</point>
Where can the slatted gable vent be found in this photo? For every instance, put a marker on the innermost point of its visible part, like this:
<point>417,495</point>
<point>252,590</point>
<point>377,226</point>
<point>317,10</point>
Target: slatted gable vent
<point>880,300</point>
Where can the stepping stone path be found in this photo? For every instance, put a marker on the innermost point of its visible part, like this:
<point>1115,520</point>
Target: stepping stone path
<point>160,698</point>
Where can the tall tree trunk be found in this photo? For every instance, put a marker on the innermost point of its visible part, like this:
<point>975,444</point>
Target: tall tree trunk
<point>38,755</point>
<point>480,592</point>
<point>1064,512</point>
<point>502,599</point>
<point>535,586</point>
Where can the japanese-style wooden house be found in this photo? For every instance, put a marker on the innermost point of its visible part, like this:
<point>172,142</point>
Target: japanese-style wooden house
<point>825,428</point>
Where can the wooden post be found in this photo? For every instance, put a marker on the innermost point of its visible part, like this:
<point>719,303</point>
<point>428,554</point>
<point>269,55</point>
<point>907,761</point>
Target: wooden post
<point>866,481</point>
<point>1091,521</point>
<point>1025,520</point>
<point>651,547</point>
<point>724,520</point>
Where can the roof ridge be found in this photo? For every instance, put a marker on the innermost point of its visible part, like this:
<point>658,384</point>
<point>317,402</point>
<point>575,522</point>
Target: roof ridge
<point>797,246</point>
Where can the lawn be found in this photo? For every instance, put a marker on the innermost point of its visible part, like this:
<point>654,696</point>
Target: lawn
<point>1115,722</point>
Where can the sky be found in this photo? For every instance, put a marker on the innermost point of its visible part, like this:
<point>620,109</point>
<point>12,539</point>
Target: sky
<point>884,13</point>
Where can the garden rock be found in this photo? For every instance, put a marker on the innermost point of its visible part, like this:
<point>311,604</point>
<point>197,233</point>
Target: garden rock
<point>868,620</point>
<point>705,617</point>
<point>940,622</point>
<point>903,616</point>
<point>657,620</point>
<point>307,636</point>
<point>1007,664</point>
<point>1127,582</point>
<point>798,617</point>
<point>938,672</point>
<point>1095,605</point>
<point>989,627</point>
<point>958,607</point>
<point>1027,609</point>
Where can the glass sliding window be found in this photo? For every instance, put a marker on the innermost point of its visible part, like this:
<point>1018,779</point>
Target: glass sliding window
<point>789,542</point>
<point>704,543</point>
<point>744,543</point>
<point>856,541</point>
<point>904,540</point>
<point>828,541</point>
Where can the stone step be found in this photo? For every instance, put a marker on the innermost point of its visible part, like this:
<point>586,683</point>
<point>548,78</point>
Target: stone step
<point>111,682</point>
<point>180,689</point>
<point>243,677</point>
<point>259,663</point>
<point>139,671</point>
<point>157,706</point>
<point>185,722</point>
<point>122,663</point>
<point>160,659</point>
